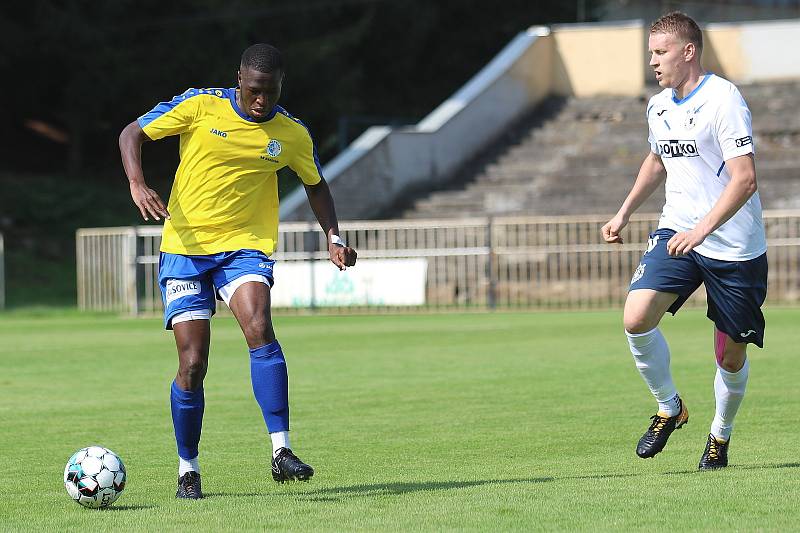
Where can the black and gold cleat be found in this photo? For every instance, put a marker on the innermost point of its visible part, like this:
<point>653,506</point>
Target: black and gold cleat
<point>286,466</point>
<point>189,486</point>
<point>656,436</point>
<point>715,455</point>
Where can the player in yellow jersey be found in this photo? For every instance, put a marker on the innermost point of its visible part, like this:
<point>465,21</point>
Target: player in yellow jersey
<point>220,228</point>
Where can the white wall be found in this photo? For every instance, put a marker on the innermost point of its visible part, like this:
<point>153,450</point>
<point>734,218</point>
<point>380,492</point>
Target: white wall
<point>771,50</point>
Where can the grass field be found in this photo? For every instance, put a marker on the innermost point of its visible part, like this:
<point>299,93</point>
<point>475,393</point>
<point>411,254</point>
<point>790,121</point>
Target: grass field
<point>435,422</point>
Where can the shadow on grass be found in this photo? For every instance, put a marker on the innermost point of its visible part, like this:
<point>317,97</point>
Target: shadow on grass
<point>601,476</point>
<point>111,508</point>
<point>338,494</point>
<point>334,494</point>
<point>738,467</point>
<point>207,495</point>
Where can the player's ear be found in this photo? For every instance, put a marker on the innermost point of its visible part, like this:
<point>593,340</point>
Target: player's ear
<point>238,78</point>
<point>689,51</point>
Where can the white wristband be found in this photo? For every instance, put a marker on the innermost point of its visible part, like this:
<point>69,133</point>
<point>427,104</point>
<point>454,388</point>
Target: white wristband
<point>335,239</point>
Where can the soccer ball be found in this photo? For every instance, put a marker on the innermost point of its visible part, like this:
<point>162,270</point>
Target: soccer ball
<point>94,477</point>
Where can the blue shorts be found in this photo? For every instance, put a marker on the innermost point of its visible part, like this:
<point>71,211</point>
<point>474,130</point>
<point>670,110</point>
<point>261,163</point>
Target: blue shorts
<point>193,282</point>
<point>736,289</point>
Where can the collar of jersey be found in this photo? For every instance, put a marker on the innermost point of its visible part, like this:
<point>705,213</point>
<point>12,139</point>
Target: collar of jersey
<point>679,101</point>
<point>248,118</point>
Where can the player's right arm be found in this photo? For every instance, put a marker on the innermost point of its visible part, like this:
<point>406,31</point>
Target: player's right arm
<point>651,175</point>
<point>146,199</point>
<point>167,118</point>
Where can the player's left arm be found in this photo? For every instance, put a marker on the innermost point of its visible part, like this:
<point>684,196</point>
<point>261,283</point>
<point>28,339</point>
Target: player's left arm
<point>742,186</point>
<point>321,201</point>
<point>306,165</point>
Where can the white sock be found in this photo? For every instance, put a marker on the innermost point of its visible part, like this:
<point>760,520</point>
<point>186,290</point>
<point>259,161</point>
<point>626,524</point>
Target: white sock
<point>192,465</point>
<point>280,439</point>
<point>729,391</point>
<point>651,353</point>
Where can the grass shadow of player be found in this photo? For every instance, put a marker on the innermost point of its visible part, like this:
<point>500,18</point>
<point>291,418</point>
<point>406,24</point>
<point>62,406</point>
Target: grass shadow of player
<point>111,508</point>
<point>399,488</point>
<point>207,495</point>
<point>601,476</point>
<point>737,467</point>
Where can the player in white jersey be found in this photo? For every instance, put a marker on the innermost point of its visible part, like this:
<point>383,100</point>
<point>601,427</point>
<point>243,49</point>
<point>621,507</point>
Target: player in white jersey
<point>710,232</point>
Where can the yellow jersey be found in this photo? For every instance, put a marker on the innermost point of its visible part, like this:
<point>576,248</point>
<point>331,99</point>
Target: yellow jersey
<point>225,194</point>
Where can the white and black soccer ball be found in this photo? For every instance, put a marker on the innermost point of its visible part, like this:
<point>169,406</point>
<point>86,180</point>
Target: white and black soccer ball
<point>94,477</point>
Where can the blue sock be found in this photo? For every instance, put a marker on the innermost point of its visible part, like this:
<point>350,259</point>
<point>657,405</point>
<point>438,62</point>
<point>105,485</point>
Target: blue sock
<point>271,385</point>
<point>187,418</point>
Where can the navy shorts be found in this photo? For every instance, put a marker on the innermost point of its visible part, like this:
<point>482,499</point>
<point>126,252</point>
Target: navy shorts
<point>193,282</point>
<point>736,289</point>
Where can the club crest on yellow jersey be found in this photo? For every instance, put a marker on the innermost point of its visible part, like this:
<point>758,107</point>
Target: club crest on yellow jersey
<point>274,148</point>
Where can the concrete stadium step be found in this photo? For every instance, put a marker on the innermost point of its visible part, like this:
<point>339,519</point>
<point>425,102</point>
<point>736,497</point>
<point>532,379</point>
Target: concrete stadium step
<point>583,154</point>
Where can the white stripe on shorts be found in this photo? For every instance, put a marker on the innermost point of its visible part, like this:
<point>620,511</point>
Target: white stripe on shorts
<point>195,314</point>
<point>227,290</point>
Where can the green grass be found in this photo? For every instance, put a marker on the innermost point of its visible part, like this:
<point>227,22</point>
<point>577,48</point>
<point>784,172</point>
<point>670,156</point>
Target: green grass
<point>435,422</point>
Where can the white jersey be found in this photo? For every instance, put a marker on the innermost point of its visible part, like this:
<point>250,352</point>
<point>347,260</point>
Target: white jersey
<point>694,136</point>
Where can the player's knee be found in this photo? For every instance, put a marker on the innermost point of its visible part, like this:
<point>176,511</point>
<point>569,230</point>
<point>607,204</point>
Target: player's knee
<point>258,331</point>
<point>732,360</point>
<point>638,322</point>
<point>730,354</point>
<point>192,372</point>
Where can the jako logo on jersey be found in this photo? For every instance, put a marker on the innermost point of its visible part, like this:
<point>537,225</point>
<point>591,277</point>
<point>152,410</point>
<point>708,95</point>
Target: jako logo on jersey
<point>675,148</point>
<point>638,273</point>
<point>222,134</point>
<point>178,288</point>
<point>274,148</point>
<point>749,332</point>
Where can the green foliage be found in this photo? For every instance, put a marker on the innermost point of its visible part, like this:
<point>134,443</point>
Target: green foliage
<point>89,68</point>
<point>486,422</point>
<point>38,219</point>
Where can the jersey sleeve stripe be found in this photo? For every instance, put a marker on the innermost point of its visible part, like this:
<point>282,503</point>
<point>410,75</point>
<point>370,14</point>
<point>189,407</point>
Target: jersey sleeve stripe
<point>313,144</point>
<point>165,107</point>
<point>316,155</point>
<point>313,148</point>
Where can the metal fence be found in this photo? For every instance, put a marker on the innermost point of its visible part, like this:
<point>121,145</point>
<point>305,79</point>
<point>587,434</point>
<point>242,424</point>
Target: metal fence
<point>107,267</point>
<point>479,263</point>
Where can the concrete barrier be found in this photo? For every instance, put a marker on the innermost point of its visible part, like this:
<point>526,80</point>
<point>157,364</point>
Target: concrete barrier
<point>753,51</point>
<point>384,162</point>
<point>572,60</point>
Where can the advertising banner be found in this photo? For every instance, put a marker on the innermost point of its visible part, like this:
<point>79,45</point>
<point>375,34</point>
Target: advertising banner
<point>370,282</point>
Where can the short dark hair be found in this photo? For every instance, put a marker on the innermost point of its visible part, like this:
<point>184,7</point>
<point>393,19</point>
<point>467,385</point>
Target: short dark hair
<point>682,26</point>
<point>262,58</point>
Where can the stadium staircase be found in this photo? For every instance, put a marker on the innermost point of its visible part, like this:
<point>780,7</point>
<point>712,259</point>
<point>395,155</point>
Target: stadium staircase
<point>581,156</point>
